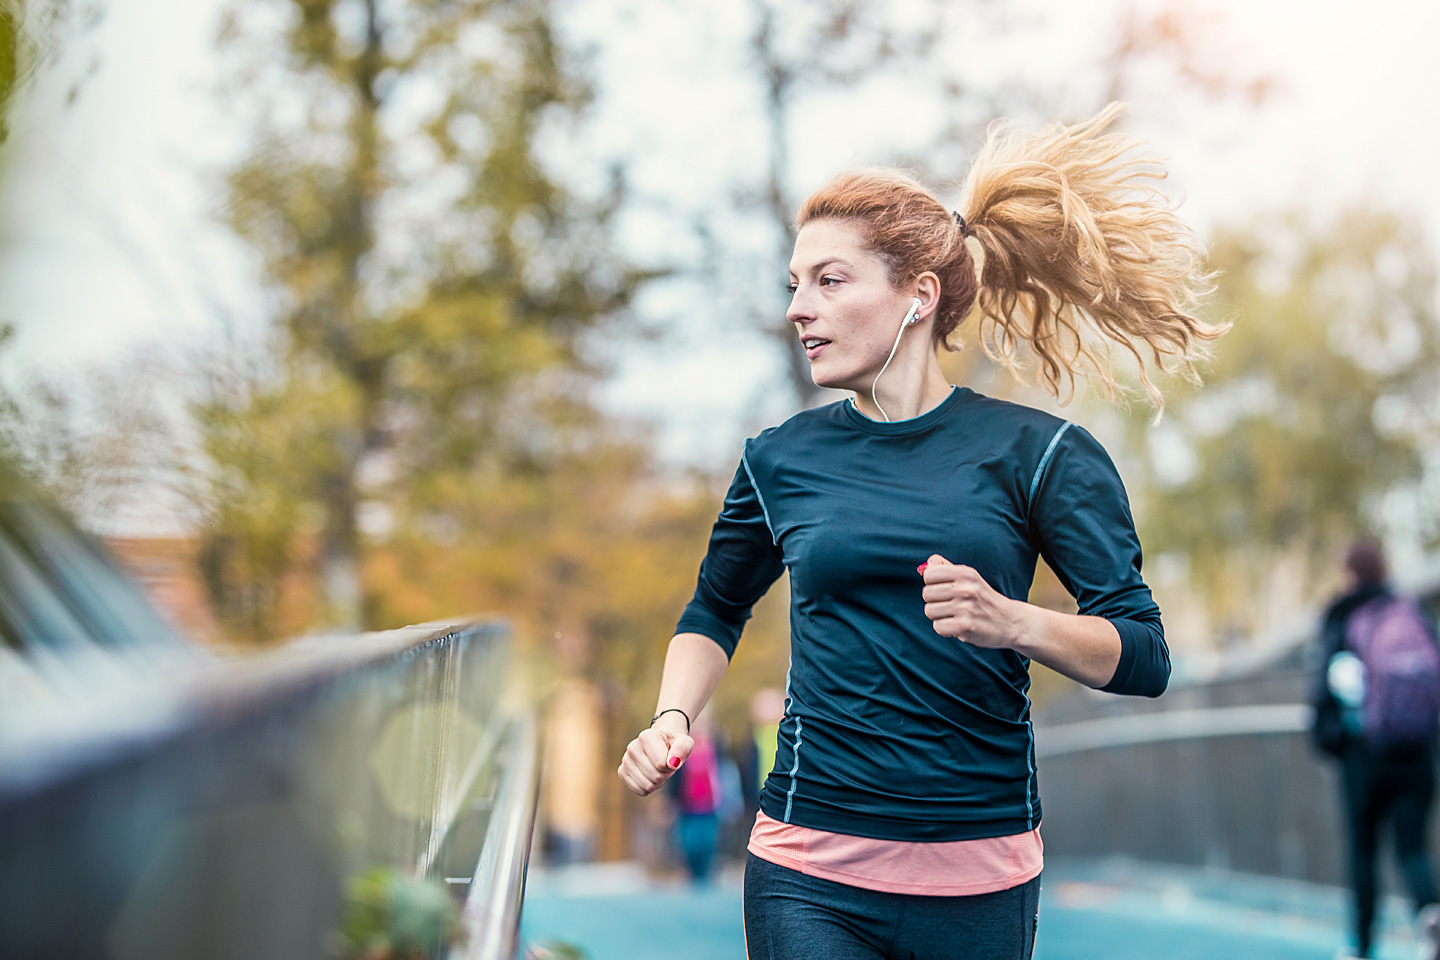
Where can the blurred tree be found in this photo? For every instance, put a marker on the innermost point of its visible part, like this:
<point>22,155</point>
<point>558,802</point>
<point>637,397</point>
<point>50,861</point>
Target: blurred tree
<point>87,453</point>
<point>11,14</point>
<point>84,458</point>
<point>255,484</point>
<point>1317,411</point>
<point>1187,42</point>
<point>29,32</point>
<point>434,285</point>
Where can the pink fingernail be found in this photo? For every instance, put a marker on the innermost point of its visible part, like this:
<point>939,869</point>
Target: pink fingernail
<point>674,762</point>
<point>921,569</point>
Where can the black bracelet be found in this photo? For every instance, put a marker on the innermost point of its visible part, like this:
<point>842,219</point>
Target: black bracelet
<point>672,710</point>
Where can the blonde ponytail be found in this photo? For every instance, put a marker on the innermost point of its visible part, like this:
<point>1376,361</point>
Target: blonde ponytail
<point>1082,252</point>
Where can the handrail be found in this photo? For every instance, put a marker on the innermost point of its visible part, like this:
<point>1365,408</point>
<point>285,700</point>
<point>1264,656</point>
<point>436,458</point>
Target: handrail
<point>492,909</point>
<point>227,808</point>
<point>144,711</point>
<point>1127,730</point>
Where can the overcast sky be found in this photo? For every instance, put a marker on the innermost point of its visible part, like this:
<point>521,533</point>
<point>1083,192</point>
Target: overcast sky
<point>107,242</point>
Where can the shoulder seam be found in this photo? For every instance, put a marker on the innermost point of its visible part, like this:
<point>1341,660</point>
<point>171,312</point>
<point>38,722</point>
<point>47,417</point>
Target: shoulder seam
<point>764,510</point>
<point>1039,469</point>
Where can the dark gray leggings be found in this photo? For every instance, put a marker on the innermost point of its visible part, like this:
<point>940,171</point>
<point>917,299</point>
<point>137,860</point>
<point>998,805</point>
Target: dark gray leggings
<point>790,916</point>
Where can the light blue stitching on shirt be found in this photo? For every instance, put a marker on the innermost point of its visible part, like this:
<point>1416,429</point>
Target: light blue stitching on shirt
<point>789,701</point>
<point>1029,726</point>
<point>1034,481</point>
<point>794,770</point>
<point>1030,759</point>
<point>745,462</point>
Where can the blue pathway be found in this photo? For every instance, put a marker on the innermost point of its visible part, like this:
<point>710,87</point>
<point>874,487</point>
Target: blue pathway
<point>1088,912</point>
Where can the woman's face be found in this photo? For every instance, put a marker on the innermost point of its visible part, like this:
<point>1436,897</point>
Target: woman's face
<point>842,305</point>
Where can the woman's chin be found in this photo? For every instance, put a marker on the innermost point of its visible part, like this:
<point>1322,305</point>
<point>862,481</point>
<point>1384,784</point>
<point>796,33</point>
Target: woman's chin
<point>831,379</point>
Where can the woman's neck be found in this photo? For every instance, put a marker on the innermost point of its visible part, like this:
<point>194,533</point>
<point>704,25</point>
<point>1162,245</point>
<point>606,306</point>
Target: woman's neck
<point>905,393</point>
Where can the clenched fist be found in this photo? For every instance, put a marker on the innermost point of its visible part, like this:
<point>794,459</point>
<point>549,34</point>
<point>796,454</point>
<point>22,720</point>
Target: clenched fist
<point>962,605</point>
<point>655,755</point>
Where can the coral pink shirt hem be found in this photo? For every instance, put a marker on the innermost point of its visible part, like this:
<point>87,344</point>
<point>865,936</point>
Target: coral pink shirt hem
<point>956,868</point>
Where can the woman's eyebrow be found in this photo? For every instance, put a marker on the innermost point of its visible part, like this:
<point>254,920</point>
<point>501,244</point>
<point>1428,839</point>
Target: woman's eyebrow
<point>829,261</point>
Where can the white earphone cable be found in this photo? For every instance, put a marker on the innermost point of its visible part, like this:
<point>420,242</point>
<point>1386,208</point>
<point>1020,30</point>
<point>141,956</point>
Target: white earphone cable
<point>909,318</point>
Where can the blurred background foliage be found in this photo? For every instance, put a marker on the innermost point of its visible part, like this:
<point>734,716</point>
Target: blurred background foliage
<point>431,285</point>
<point>1315,419</point>
<point>419,435</point>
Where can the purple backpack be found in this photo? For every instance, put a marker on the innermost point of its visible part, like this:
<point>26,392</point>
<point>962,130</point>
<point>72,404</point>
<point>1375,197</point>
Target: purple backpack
<point>1396,642</point>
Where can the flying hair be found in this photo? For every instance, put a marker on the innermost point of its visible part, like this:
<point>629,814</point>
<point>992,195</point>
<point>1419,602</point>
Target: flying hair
<point>1064,244</point>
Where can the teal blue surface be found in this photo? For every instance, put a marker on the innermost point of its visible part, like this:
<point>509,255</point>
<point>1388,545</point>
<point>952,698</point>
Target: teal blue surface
<point>1085,915</point>
<point>663,925</point>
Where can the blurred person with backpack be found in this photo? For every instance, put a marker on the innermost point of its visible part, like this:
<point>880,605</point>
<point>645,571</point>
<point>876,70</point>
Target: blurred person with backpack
<point>1377,708</point>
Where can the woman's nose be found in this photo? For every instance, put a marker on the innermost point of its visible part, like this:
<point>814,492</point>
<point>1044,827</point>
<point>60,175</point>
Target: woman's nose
<point>799,311</point>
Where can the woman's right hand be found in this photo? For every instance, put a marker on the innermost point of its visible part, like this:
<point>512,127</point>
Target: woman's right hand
<point>655,755</point>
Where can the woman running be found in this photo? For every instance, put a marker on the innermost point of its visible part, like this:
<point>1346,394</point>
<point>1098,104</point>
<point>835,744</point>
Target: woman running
<point>902,817</point>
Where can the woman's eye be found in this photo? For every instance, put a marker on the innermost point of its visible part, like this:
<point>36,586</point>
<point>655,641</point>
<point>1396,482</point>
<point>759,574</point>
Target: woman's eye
<point>828,281</point>
<point>791,287</point>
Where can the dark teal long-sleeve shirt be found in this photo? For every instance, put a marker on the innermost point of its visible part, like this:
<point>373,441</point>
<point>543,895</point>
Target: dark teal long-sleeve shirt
<point>891,730</point>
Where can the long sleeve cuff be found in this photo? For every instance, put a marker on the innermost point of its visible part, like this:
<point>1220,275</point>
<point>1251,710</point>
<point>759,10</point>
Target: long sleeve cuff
<point>696,619</point>
<point>1144,667</point>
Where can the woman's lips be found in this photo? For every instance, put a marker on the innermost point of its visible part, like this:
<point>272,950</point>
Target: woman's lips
<point>814,349</point>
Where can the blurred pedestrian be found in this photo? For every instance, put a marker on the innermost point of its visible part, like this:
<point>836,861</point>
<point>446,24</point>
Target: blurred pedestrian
<point>699,795</point>
<point>902,815</point>
<point>1377,707</point>
<point>767,709</point>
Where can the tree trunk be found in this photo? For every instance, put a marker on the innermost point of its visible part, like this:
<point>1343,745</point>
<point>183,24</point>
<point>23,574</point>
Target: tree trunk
<point>340,557</point>
<point>779,82</point>
<point>341,546</point>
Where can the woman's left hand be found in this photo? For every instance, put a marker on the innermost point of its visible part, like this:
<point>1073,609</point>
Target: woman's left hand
<point>961,604</point>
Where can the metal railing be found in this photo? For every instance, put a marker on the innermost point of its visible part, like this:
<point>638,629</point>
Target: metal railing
<point>231,810</point>
<point>492,909</point>
<point>1227,785</point>
<point>1108,733</point>
<point>1218,773</point>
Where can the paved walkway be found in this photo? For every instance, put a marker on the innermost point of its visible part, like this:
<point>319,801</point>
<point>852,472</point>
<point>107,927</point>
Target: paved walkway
<point>1089,911</point>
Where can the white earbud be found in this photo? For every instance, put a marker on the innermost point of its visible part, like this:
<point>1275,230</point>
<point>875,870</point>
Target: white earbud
<point>911,318</point>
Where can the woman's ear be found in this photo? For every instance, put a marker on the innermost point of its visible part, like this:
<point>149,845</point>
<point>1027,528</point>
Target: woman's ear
<point>927,290</point>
